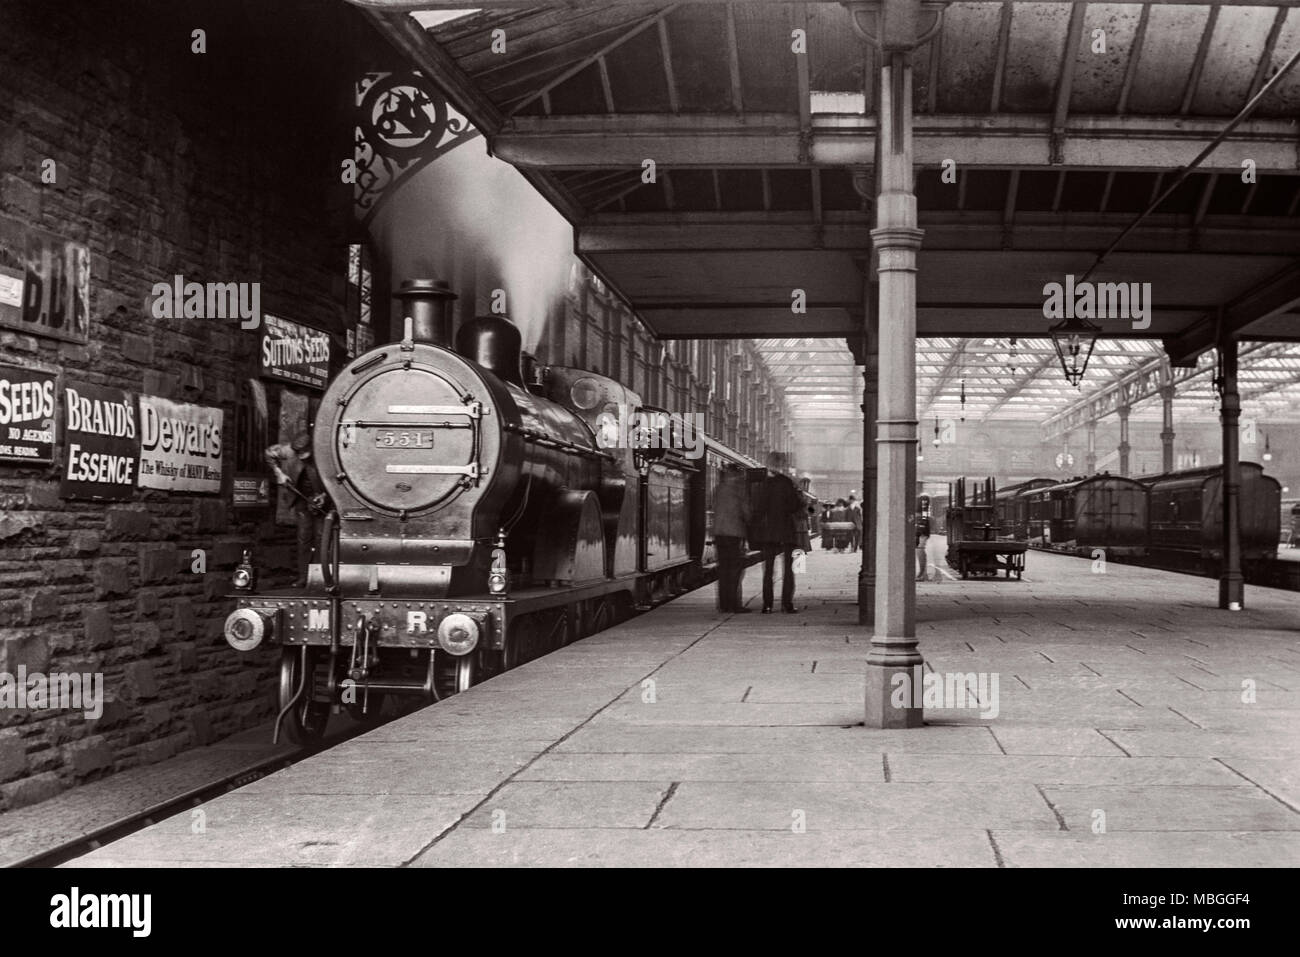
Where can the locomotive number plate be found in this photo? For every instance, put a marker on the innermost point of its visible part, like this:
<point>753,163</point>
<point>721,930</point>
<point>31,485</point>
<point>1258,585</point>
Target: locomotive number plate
<point>403,439</point>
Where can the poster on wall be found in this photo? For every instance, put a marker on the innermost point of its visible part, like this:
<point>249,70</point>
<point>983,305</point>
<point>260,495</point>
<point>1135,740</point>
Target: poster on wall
<point>292,352</point>
<point>1024,460</point>
<point>100,441</point>
<point>251,485</point>
<point>180,445</point>
<point>44,283</point>
<point>295,410</point>
<point>26,415</point>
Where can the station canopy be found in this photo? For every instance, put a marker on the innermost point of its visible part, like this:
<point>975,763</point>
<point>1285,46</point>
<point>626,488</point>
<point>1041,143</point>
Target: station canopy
<point>1063,120</point>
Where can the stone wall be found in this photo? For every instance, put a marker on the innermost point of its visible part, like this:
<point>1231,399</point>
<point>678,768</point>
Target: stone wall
<point>161,169</point>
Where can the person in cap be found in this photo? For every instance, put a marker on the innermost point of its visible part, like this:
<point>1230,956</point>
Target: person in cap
<point>295,468</point>
<point>776,508</point>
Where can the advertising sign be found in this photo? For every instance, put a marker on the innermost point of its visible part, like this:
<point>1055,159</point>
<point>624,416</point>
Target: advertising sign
<point>292,352</point>
<point>180,446</point>
<point>26,415</point>
<point>101,443</point>
<point>44,283</point>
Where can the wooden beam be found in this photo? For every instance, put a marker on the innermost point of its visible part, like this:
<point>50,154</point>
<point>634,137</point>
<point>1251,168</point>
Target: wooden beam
<point>1000,64</point>
<point>770,140</point>
<point>1130,71</point>
<point>1105,192</point>
<point>733,61</point>
<point>1266,57</point>
<point>666,52</point>
<point>1278,294</point>
<point>641,26</point>
<point>606,87</point>
<point>1065,80</point>
<point>1198,64</point>
<point>1060,190</point>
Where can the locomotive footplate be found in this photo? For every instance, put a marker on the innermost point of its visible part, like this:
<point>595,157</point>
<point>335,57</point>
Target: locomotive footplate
<point>391,623</point>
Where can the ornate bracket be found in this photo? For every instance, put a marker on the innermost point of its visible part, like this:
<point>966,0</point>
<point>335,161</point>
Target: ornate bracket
<point>403,122</point>
<point>897,25</point>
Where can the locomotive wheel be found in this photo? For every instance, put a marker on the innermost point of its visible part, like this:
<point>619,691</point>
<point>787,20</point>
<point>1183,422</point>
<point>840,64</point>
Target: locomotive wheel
<point>455,673</point>
<point>306,721</point>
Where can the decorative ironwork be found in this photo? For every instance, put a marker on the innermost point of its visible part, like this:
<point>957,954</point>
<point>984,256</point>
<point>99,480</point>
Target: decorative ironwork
<point>403,122</point>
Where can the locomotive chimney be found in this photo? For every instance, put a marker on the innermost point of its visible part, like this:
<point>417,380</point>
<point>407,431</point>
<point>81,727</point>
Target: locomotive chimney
<point>495,344</point>
<point>428,304</point>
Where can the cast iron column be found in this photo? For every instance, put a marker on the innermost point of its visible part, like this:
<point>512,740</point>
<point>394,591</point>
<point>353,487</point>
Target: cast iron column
<point>1231,583</point>
<point>1167,435</point>
<point>895,239</point>
<point>1124,447</point>
<point>870,383</point>
<point>1090,459</point>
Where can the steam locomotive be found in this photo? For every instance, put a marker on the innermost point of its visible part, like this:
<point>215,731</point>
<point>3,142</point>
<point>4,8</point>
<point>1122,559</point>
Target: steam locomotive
<point>479,520</point>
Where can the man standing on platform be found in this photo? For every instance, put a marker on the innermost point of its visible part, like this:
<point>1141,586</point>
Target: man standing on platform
<point>922,543</point>
<point>730,515</point>
<point>855,515</point>
<point>295,469</point>
<point>776,507</point>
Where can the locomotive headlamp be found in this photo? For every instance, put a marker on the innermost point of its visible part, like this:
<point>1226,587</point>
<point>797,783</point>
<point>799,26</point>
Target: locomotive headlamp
<point>245,576</point>
<point>498,583</point>
<point>585,393</point>
<point>458,634</point>
<point>246,629</point>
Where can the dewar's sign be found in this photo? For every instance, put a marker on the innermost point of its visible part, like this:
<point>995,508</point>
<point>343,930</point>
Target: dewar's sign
<point>180,445</point>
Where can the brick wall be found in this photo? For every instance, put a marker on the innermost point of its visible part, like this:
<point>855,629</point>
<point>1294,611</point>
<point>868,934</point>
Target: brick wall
<point>221,167</point>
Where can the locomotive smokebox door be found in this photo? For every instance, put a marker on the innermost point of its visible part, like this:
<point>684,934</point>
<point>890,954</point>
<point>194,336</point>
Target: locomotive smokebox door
<point>406,441</point>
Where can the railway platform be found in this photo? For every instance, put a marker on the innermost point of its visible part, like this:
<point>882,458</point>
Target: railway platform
<point>1121,720</point>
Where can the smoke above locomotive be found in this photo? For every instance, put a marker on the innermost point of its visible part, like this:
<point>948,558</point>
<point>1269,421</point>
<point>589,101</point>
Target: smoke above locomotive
<point>477,223</point>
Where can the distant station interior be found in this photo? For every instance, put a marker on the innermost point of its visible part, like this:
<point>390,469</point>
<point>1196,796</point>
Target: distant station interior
<point>1023,277</point>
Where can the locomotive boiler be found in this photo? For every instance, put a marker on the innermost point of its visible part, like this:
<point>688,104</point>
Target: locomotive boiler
<point>478,521</point>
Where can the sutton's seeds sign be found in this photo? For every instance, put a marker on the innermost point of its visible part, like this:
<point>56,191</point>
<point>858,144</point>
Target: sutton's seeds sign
<point>292,352</point>
<point>180,445</point>
<point>101,443</point>
<point>26,415</point>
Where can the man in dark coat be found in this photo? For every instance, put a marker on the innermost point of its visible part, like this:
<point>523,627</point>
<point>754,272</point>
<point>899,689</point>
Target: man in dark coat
<point>730,513</point>
<point>296,468</point>
<point>775,507</point>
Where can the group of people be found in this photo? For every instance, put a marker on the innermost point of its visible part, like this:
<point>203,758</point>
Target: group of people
<point>843,511</point>
<point>769,514</point>
<point>846,511</point>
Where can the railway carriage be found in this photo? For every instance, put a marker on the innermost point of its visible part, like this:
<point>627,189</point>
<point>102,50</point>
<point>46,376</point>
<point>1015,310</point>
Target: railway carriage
<point>1104,511</point>
<point>1187,515</point>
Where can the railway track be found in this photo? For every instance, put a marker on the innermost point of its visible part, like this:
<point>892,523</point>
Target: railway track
<point>195,797</point>
<point>1271,573</point>
<point>169,807</point>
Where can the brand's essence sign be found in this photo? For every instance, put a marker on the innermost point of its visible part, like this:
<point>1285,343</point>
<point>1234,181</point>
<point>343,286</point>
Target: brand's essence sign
<point>101,443</point>
<point>180,445</point>
<point>26,415</point>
